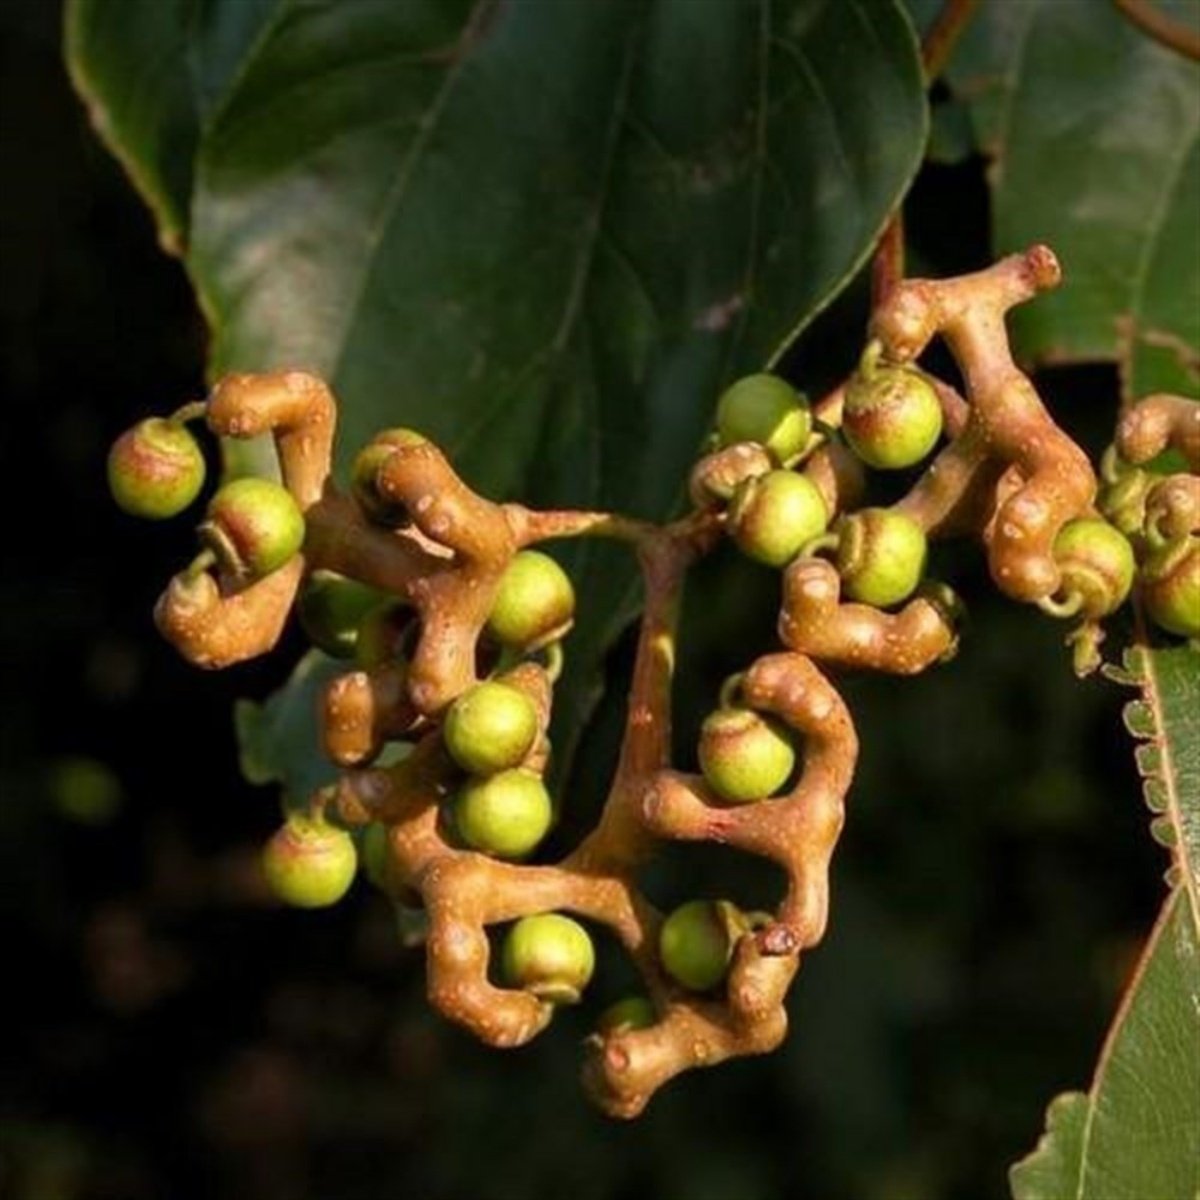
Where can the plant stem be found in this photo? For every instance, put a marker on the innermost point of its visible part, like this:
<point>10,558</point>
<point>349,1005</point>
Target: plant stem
<point>1153,22</point>
<point>936,47</point>
<point>942,36</point>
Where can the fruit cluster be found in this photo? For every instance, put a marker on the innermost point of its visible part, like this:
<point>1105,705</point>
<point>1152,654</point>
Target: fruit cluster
<point>456,625</point>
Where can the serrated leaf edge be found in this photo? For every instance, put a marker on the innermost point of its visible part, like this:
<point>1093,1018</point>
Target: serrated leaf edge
<point>1059,1105</point>
<point>1143,718</point>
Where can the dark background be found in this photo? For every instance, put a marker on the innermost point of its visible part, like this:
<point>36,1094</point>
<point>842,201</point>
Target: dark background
<point>171,1034</point>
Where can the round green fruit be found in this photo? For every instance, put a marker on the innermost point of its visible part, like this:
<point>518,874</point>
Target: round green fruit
<point>331,609</point>
<point>767,410</point>
<point>891,417</point>
<point>1097,565</point>
<point>308,863</point>
<point>382,634</point>
<point>155,469</point>
<point>628,1013</point>
<point>744,755</point>
<point>254,526</point>
<point>534,604</point>
<point>549,955</point>
<point>490,728</point>
<point>773,515</point>
<point>880,556</point>
<point>695,943</point>
<point>373,854</point>
<point>506,814</point>
<point>365,472</point>
<point>1170,587</point>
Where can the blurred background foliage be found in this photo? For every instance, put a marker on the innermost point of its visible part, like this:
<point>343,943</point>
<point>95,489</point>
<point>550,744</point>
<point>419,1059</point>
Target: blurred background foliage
<point>173,1034</point>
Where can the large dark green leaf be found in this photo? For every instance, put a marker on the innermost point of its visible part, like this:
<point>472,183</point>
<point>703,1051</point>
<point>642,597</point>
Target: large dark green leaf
<point>1094,132</point>
<point>543,232</point>
<point>151,73</point>
<point>1133,1136</point>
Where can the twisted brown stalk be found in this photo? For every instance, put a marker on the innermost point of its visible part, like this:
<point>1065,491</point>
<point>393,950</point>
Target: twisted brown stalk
<point>1008,475</point>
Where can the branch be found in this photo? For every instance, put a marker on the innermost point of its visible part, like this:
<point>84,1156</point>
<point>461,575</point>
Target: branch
<point>1168,32</point>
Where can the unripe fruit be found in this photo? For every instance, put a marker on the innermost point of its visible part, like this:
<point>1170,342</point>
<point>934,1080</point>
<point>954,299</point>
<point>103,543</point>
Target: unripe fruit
<point>382,633</point>
<point>1170,587</point>
<point>1097,565</point>
<point>373,854</point>
<point>1123,501</point>
<point>891,417</point>
<point>506,814</point>
<point>880,556</point>
<point>490,727</point>
<point>549,955</point>
<point>767,410</point>
<point>254,526</point>
<point>331,608</point>
<point>308,863</point>
<point>534,604</point>
<point>631,1012</point>
<point>365,471</point>
<point>155,469</point>
<point>744,755</point>
<point>695,943</point>
<point>771,517</point>
<point>1173,508</point>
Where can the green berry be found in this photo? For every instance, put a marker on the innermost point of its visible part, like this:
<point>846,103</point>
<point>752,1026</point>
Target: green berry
<point>254,525</point>
<point>880,556</point>
<point>365,472</point>
<point>506,814</point>
<point>772,516</point>
<point>490,727</point>
<point>631,1012</point>
<point>767,410</point>
<point>549,955</point>
<point>695,943</point>
<point>744,755</point>
<point>1123,501</point>
<point>155,469</point>
<point>373,854</point>
<point>1172,508</point>
<point>382,633</point>
<point>331,608</point>
<point>534,604</point>
<point>308,863</point>
<point>1097,564</point>
<point>1170,587</point>
<point>891,417</point>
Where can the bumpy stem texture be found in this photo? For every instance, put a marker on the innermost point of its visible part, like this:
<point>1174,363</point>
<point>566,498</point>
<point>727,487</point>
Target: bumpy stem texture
<point>1008,476</point>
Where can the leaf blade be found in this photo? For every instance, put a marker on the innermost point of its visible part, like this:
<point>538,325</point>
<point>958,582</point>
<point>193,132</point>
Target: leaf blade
<point>1094,131</point>
<point>1133,1135</point>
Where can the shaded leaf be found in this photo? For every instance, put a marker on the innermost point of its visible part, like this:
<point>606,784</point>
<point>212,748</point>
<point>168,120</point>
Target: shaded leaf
<point>151,78</point>
<point>280,740</point>
<point>1094,132</point>
<point>1133,1136</point>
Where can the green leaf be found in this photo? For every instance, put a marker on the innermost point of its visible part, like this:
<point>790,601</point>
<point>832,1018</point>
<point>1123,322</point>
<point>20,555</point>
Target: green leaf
<point>280,739</point>
<point>1133,1136</point>
<point>150,78</point>
<point>1167,719</point>
<point>1094,131</point>
<point>545,233</point>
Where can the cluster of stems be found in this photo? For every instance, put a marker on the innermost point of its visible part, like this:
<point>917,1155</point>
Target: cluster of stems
<point>1006,476</point>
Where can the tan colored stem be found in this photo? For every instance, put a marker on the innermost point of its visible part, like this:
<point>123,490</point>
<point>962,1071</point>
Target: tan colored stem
<point>1151,20</point>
